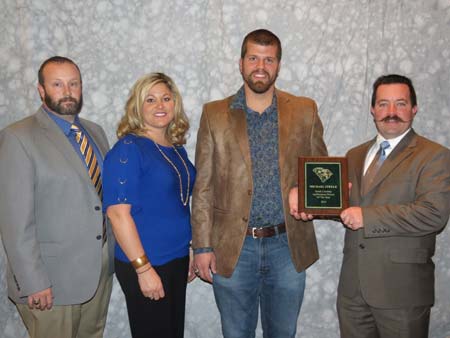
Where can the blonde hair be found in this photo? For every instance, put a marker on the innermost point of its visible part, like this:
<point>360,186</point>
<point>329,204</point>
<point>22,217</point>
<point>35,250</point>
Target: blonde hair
<point>133,122</point>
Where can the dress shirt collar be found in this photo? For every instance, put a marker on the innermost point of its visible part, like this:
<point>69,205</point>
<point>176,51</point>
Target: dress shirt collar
<point>63,124</point>
<point>239,102</point>
<point>393,142</point>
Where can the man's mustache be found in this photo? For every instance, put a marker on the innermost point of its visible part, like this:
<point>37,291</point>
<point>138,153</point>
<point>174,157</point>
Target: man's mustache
<point>394,118</point>
<point>68,99</point>
<point>260,72</point>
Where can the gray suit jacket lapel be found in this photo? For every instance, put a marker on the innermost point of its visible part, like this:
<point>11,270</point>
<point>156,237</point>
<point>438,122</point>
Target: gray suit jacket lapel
<point>100,142</point>
<point>61,143</point>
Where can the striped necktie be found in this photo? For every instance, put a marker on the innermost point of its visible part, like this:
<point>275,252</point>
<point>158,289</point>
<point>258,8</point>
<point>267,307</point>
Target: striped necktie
<point>374,167</point>
<point>89,158</point>
<point>92,165</point>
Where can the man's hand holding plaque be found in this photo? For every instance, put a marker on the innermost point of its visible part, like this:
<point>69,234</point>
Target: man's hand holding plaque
<point>293,206</point>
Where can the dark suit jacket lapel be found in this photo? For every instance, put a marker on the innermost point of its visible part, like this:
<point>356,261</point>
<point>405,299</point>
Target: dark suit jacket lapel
<point>403,150</point>
<point>361,159</point>
<point>61,143</point>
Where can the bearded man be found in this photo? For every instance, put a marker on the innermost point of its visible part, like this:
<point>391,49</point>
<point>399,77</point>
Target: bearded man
<point>245,241</point>
<point>55,235</point>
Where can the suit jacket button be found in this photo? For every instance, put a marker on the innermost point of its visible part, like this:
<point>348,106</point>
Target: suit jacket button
<point>99,237</point>
<point>249,192</point>
<point>245,219</point>
<point>97,207</point>
<point>362,246</point>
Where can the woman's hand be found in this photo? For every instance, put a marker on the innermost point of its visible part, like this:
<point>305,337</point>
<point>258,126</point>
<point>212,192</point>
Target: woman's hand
<point>150,283</point>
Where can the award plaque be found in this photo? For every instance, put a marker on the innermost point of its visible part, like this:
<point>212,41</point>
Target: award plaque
<point>322,186</point>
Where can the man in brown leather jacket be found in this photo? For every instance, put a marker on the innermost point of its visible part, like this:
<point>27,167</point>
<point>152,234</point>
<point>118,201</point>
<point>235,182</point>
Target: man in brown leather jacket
<point>245,241</point>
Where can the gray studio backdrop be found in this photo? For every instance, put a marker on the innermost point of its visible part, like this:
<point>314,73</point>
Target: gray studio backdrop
<point>333,51</point>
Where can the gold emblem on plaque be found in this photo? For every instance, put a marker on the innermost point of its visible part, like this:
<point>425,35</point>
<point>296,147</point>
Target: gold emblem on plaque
<point>323,174</point>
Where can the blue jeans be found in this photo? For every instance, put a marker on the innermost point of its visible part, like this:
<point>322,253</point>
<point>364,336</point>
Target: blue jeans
<point>264,276</point>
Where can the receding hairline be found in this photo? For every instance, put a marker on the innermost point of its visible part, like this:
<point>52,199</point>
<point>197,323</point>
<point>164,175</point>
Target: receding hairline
<point>56,60</point>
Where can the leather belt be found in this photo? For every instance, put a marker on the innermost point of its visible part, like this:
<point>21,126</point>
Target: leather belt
<point>266,231</point>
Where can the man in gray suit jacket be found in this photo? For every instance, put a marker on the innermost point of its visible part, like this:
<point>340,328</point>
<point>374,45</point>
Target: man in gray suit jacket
<point>51,222</point>
<point>400,201</point>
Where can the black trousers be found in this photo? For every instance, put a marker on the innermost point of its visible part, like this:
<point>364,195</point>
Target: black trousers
<point>163,318</point>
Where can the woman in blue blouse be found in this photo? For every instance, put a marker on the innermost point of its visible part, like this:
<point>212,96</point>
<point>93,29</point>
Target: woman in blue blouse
<point>147,183</point>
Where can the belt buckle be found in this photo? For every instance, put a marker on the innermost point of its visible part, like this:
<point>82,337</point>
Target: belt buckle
<point>254,232</point>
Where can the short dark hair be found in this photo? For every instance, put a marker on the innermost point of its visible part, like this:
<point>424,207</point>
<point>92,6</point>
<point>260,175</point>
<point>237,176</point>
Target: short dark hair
<point>261,37</point>
<point>394,79</point>
<point>54,59</point>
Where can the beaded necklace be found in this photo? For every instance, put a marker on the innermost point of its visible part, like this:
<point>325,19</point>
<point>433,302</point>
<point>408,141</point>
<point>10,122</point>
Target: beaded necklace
<point>183,199</point>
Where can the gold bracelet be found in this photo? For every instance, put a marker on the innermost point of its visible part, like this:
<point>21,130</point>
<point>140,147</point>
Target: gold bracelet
<point>139,262</point>
<point>148,269</point>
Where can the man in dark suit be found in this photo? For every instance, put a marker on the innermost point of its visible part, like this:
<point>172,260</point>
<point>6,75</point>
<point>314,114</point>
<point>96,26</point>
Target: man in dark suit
<point>246,160</point>
<point>51,222</point>
<point>400,201</point>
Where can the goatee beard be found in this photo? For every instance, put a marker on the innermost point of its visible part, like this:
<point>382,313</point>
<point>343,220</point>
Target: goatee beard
<point>60,109</point>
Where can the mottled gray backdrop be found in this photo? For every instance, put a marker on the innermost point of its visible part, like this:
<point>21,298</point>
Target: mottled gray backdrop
<point>333,51</point>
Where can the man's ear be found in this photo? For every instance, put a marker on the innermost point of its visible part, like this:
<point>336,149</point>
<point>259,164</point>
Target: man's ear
<point>41,91</point>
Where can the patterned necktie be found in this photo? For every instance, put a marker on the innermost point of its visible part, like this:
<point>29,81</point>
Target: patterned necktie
<point>89,158</point>
<point>374,167</point>
<point>91,164</point>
